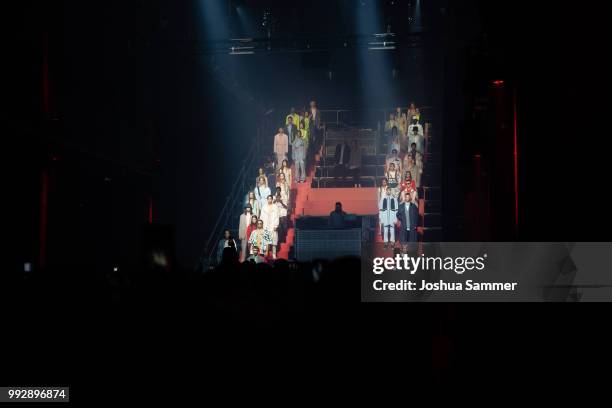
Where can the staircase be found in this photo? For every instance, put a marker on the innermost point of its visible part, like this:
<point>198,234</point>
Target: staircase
<point>319,193</point>
<point>300,193</point>
<point>297,205</point>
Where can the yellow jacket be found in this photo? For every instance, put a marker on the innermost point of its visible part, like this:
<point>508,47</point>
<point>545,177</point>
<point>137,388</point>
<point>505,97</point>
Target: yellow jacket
<point>296,119</point>
<point>306,134</point>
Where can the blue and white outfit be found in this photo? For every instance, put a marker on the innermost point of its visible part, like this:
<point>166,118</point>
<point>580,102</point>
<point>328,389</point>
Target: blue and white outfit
<point>261,195</point>
<point>387,214</point>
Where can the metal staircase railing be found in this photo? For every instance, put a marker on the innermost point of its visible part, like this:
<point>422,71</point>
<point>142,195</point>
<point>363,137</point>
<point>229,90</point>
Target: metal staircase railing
<point>232,206</point>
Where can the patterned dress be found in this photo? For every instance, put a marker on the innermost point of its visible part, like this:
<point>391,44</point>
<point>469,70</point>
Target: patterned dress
<point>260,238</point>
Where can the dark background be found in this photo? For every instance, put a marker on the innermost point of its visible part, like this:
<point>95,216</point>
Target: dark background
<point>135,113</point>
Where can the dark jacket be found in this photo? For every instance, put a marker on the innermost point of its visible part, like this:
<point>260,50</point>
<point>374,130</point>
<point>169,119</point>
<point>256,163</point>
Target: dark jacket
<point>220,248</point>
<point>337,219</point>
<point>413,214</point>
<point>291,134</point>
<point>347,154</point>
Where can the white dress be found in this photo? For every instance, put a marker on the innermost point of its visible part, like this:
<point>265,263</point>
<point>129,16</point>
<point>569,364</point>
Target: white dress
<point>270,217</point>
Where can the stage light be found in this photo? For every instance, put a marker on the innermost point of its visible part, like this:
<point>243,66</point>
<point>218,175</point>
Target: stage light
<point>415,16</point>
<point>384,41</point>
<point>243,46</point>
<point>498,83</point>
<point>115,269</point>
<point>215,20</point>
<point>241,51</point>
<point>27,267</point>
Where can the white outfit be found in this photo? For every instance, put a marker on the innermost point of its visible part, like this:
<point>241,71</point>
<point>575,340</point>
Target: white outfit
<point>388,207</point>
<point>270,217</point>
<point>281,148</point>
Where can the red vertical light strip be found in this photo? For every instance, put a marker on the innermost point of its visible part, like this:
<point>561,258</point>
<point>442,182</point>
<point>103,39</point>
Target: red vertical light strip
<point>45,74</point>
<point>44,191</point>
<point>150,210</point>
<point>516,191</point>
<point>44,181</point>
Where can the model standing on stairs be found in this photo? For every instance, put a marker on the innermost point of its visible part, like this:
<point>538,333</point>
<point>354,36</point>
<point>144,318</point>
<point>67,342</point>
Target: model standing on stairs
<point>286,170</point>
<point>299,157</point>
<point>249,230</point>
<point>270,217</point>
<point>282,214</point>
<point>262,191</point>
<point>260,238</point>
<point>388,206</point>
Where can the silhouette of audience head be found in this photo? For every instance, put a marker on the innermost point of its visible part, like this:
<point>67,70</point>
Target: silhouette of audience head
<point>229,256</point>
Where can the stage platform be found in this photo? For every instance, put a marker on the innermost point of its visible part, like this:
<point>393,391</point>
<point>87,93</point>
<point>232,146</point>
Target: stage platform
<point>358,201</point>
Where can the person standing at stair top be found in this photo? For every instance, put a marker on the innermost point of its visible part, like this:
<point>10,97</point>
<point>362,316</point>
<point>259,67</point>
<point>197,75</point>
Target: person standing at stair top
<point>262,191</point>
<point>291,129</point>
<point>306,137</point>
<point>292,117</point>
<point>387,215</point>
<point>341,159</point>
<point>281,147</point>
<point>309,137</point>
<point>270,217</point>
<point>315,125</point>
<point>299,155</point>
